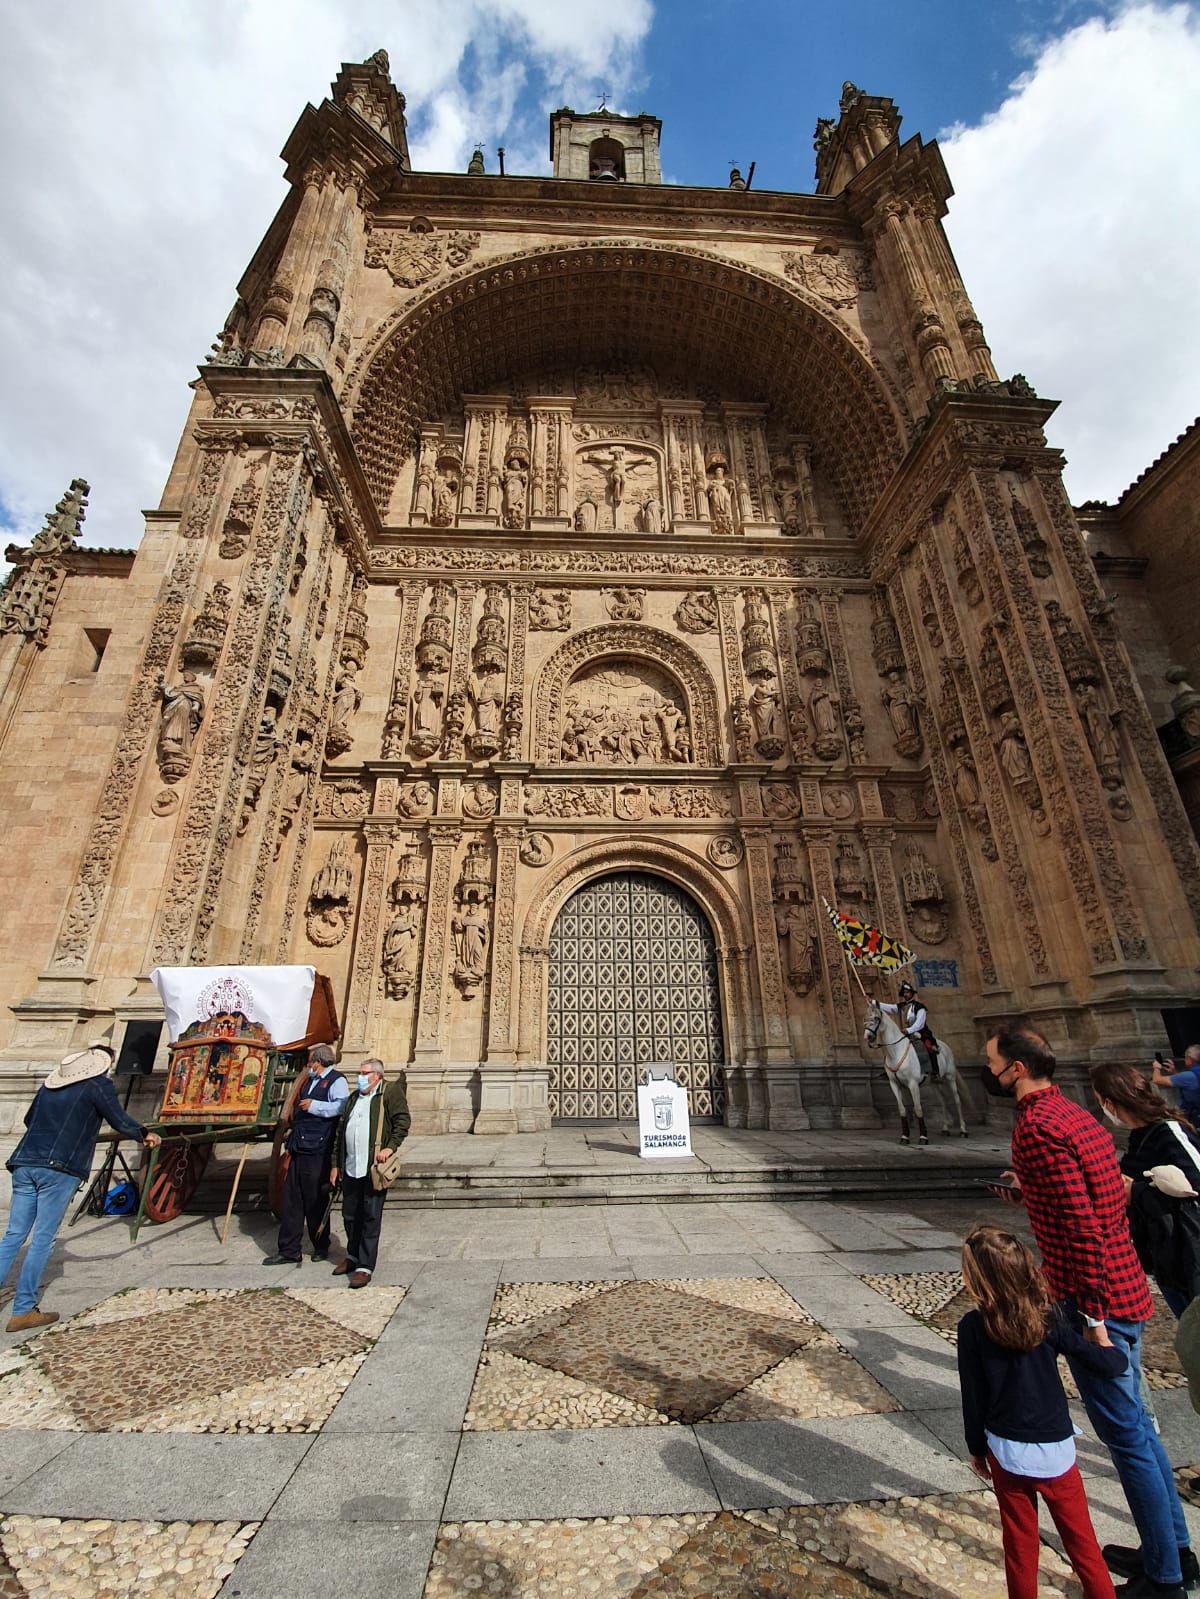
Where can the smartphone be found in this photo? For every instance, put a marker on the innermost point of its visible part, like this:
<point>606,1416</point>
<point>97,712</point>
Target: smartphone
<point>1158,1057</point>
<point>994,1182</point>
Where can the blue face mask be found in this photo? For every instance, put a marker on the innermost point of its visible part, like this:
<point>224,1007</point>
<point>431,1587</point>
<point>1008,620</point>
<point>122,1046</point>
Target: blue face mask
<point>364,1083</point>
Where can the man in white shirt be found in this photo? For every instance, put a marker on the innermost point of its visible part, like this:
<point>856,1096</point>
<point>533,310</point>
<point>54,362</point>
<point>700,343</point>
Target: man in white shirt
<point>372,1127</point>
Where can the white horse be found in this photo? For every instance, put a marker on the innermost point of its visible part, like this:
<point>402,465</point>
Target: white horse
<point>904,1068</point>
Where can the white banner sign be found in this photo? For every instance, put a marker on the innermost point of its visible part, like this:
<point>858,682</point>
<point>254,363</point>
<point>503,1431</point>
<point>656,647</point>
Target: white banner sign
<point>276,996</point>
<point>663,1122</point>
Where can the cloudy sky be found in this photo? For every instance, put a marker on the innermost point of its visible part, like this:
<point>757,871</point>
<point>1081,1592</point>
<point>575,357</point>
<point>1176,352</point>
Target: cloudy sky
<point>142,139</point>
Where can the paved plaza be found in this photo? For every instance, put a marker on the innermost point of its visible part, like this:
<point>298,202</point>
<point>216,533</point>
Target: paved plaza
<point>711,1397</point>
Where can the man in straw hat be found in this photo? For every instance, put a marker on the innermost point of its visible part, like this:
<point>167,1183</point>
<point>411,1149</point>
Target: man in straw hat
<point>52,1159</point>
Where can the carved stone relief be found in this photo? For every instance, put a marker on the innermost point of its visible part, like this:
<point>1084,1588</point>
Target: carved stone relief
<point>328,913</point>
<point>479,800</point>
<point>347,799</point>
<point>415,799</point>
<point>779,801</point>
<point>571,800</point>
<point>924,898</point>
<point>550,611</point>
<point>537,849</point>
<point>618,487</point>
<point>697,612</point>
<point>726,851</point>
<point>347,697</point>
<point>625,604</point>
<point>799,950</point>
<point>419,255</point>
<point>688,802</point>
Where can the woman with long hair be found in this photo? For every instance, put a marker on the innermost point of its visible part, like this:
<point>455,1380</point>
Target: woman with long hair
<point>1165,1227</point>
<point>1015,1415</point>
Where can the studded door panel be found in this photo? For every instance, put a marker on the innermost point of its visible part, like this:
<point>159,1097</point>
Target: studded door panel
<point>633,979</point>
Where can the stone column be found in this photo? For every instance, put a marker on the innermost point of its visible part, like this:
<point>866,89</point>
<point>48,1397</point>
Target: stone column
<point>362,1002</point>
<point>426,1076</point>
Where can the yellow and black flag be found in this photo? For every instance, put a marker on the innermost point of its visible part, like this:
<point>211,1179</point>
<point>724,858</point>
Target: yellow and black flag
<point>868,946</point>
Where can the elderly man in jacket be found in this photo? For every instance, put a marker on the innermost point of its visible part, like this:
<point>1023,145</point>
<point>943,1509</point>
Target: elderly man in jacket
<point>372,1127</point>
<point>53,1158</point>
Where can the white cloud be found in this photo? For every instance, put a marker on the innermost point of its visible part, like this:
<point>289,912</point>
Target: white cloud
<point>141,171</point>
<point>1076,222</point>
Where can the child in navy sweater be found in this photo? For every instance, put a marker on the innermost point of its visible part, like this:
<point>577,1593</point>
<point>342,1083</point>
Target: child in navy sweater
<point>1018,1427</point>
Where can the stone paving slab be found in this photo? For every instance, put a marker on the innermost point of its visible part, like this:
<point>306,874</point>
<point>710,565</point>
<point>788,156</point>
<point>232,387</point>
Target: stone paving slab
<point>24,1453</point>
<point>913,1364</point>
<point>393,1477</point>
<point>323,1560</point>
<point>606,1472</point>
<point>758,1464</point>
<point>164,1477</point>
<point>843,1302</point>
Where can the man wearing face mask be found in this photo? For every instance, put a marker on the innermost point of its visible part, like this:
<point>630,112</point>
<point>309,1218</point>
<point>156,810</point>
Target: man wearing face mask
<point>319,1096</point>
<point>373,1125</point>
<point>1067,1177</point>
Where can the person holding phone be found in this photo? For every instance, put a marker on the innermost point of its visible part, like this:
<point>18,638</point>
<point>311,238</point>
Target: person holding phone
<point>1185,1082</point>
<point>1066,1175</point>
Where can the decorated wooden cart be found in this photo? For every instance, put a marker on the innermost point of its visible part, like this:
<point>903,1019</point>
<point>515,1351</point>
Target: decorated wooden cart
<point>228,1079</point>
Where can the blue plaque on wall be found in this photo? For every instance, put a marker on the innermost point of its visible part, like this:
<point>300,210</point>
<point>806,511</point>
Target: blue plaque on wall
<point>936,974</point>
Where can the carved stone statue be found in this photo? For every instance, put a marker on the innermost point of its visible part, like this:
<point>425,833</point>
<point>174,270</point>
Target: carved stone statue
<point>1013,751</point>
<point>902,708</point>
<point>768,721</point>
<point>454,720</point>
<point>486,692</point>
<point>966,785</point>
<point>266,748</point>
<point>1101,734</point>
<point>514,722</point>
<point>652,514</point>
<point>516,479</point>
<point>182,713</point>
<point>743,727</point>
<point>471,937</point>
<point>400,941</point>
<point>347,697</point>
<point>445,501</point>
<point>720,502</point>
<point>823,713</point>
<point>797,945</point>
<point>585,516</point>
<point>426,721</point>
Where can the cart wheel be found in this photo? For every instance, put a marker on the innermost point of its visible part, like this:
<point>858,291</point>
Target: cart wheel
<point>176,1175</point>
<point>277,1174</point>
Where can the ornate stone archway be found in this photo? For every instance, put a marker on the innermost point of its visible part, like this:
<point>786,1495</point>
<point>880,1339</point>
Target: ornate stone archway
<point>628,641</point>
<point>685,309</point>
<point>740,1006</point>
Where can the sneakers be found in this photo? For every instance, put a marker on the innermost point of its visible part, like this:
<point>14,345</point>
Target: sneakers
<point>1127,1562</point>
<point>279,1260</point>
<point>29,1319</point>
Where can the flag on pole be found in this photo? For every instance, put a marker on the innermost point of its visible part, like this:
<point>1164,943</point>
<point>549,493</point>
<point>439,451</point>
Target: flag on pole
<point>868,946</point>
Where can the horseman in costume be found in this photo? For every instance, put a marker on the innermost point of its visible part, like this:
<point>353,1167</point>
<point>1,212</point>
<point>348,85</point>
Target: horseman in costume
<point>914,1019</point>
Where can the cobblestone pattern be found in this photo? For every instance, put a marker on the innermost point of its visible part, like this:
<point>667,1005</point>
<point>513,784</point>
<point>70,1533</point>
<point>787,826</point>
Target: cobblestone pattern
<point>945,1546</point>
<point>169,1357</point>
<point>939,1299</point>
<point>615,1354</point>
<point>56,1559</point>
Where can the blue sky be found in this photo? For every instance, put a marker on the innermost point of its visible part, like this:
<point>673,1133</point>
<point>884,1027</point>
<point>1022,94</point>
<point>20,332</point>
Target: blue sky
<point>142,170</point>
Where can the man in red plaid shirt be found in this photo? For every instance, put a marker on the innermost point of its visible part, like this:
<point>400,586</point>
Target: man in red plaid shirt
<point>1067,1177</point>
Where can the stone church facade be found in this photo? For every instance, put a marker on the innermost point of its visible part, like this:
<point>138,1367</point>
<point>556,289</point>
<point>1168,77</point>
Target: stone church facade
<point>563,587</point>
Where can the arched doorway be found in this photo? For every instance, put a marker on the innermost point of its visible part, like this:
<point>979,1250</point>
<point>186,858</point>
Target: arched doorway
<point>632,979</point>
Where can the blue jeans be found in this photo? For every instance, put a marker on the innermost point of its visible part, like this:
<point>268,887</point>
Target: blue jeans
<point>40,1197</point>
<point>1115,1410</point>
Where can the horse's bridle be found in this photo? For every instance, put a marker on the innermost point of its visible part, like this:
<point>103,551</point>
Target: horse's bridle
<point>871,1034</point>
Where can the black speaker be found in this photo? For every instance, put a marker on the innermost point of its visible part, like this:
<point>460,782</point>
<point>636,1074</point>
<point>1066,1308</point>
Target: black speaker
<point>138,1049</point>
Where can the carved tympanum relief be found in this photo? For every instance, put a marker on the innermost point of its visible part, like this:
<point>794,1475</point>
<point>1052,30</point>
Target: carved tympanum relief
<point>625,714</point>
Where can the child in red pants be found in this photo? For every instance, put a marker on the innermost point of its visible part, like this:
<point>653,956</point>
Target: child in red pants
<point>1015,1414</point>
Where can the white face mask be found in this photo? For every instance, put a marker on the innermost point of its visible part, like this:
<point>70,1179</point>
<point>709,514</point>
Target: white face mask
<point>1108,1114</point>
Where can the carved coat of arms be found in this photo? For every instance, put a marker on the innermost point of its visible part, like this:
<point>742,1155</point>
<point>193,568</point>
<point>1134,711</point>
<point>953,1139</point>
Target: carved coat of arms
<point>835,278</point>
<point>413,258</point>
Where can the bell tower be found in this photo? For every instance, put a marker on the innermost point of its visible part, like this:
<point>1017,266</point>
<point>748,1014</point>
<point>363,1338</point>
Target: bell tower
<point>601,147</point>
